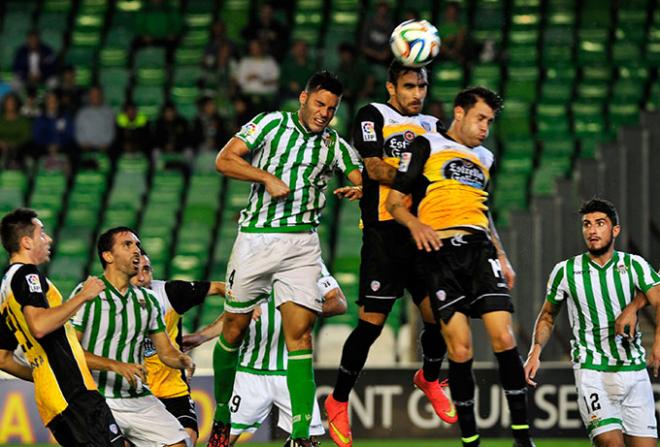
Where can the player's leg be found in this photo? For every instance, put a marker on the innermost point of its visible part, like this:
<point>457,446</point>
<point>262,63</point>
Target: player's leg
<point>637,410</point>
<point>598,399</point>
<point>250,403</point>
<point>183,408</point>
<point>297,324</point>
<point>457,334</point>
<point>279,389</point>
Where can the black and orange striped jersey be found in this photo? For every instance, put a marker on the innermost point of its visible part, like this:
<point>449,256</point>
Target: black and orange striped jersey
<point>175,299</point>
<point>448,180</point>
<point>381,131</point>
<point>58,363</point>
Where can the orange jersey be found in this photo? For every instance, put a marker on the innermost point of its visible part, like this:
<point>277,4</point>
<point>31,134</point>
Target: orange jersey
<point>449,180</point>
<point>58,363</point>
<point>381,131</point>
<point>175,298</point>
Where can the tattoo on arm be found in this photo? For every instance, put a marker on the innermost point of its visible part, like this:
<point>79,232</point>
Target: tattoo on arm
<point>545,323</point>
<point>495,236</point>
<point>379,171</point>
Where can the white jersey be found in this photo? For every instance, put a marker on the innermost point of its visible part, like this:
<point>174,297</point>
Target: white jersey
<point>597,295</point>
<point>305,161</point>
<point>263,350</point>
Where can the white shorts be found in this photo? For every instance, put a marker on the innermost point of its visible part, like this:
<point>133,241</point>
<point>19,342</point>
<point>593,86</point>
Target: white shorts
<point>286,263</point>
<point>616,401</point>
<point>253,397</point>
<point>146,422</point>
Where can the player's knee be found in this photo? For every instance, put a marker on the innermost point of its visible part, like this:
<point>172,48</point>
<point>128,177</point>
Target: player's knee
<point>609,439</point>
<point>233,326</point>
<point>459,351</point>
<point>503,341</point>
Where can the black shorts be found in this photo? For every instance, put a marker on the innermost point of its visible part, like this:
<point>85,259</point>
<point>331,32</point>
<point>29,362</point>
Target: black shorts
<point>387,268</point>
<point>183,408</point>
<point>87,421</point>
<point>465,276</point>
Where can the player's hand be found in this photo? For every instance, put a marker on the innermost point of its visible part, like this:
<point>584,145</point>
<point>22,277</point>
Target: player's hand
<point>349,192</point>
<point>654,358</point>
<point>425,237</point>
<point>91,288</point>
<point>191,341</point>
<point>531,367</point>
<point>507,271</point>
<point>187,364</point>
<point>626,323</point>
<point>132,372</point>
<point>276,188</point>
<point>256,313</point>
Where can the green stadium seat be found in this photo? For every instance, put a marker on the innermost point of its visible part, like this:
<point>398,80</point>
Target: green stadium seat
<point>514,121</point>
<point>151,76</point>
<point>112,56</point>
<point>627,91</point>
<point>188,56</point>
<point>592,91</point>
<point>556,91</point>
<point>552,120</point>
<point>557,149</point>
<point>488,75</point>
<point>63,6</point>
<point>150,58</point>
<point>119,36</point>
<point>622,114</point>
<point>545,177</point>
<point>81,57</point>
<point>491,21</point>
<point>588,119</point>
<point>601,73</point>
<point>235,14</point>
<point>593,46</point>
<point>624,52</point>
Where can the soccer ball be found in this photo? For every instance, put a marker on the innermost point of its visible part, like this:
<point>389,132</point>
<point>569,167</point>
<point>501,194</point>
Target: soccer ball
<point>415,43</point>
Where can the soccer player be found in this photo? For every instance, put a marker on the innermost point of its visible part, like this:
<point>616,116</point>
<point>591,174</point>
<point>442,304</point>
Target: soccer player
<point>261,374</point>
<point>615,396</point>
<point>466,271</point>
<point>381,134</point>
<point>32,314</point>
<point>293,154</point>
<point>112,329</point>
<point>175,298</point>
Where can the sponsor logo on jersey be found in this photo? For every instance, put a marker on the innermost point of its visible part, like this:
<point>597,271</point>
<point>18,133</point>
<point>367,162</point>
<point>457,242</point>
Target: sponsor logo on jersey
<point>149,348</point>
<point>368,131</point>
<point>248,130</point>
<point>33,283</point>
<point>464,171</point>
<point>409,135</point>
<point>404,164</point>
<point>426,126</point>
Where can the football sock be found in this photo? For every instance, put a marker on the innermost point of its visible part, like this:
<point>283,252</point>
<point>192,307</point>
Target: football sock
<point>433,351</point>
<point>302,390</point>
<point>461,384</point>
<point>512,377</point>
<point>353,357</point>
<point>225,360</point>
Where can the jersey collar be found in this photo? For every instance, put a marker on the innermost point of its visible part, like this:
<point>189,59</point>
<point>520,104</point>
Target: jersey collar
<point>110,288</point>
<point>299,125</point>
<point>608,264</point>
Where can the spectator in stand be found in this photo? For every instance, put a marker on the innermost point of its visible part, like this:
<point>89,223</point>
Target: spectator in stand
<point>170,132</point>
<point>218,39</point>
<point>452,29</point>
<point>258,76</point>
<point>268,30</point>
<point>95,123</point>
<point>35,63</point>
<point>31,108</point>
<point>158,23</point>
<point>208,133</point>
<point>220,74</point>
<point>69,92</point>
<point>132,130</point>
<point>355,74</point>
<point>53,132</point>
<point>15,132</point>
<point>375,38</point>
<point>296,69</point>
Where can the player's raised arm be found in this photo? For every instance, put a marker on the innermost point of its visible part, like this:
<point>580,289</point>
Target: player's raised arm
<point>231,162</point>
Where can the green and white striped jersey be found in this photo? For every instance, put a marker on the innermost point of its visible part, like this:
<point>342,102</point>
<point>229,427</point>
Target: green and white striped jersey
<point>115,327</point>
<point>263,350</point>
<point>597,295</point>
<point>305,161</point>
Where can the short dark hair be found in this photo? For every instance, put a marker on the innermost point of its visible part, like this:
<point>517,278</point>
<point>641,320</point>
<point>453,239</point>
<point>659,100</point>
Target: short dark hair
<point>324,80</point>
<point>397,69</point>
<point>14,226</point>
<point>596,205</point>
<point>467,98</point>
<point>107,240</point>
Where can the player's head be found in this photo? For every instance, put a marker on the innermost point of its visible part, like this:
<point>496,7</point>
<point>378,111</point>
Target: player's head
<point>475,109</point>
<point>320,100</point>
<point>119,251</point>
<point>600,225</point>
<point>407,87</point>
<point>145,274</point>
<point>23,233</point>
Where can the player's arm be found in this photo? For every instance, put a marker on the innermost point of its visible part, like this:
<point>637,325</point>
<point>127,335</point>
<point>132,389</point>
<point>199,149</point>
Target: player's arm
<point>379,171</point>
<point>351,192</point>
<point>653,296</point>
<point>130,371</point>
<point>9,365</point>
<point>409,173</point>
<point>231,162</point>
<point>184,295</point>
<point>626,322</point>
<point>169,355</point>
<point>507,270</point>
<point>543,327</point>
<point>334,303</point>
<point>368,140</point>
<point>205,334</point>
<point>41,319</point>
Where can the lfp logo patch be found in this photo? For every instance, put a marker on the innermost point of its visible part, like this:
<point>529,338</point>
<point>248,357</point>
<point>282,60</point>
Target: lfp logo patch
<point>368,131</point>
<point>33,283</point>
